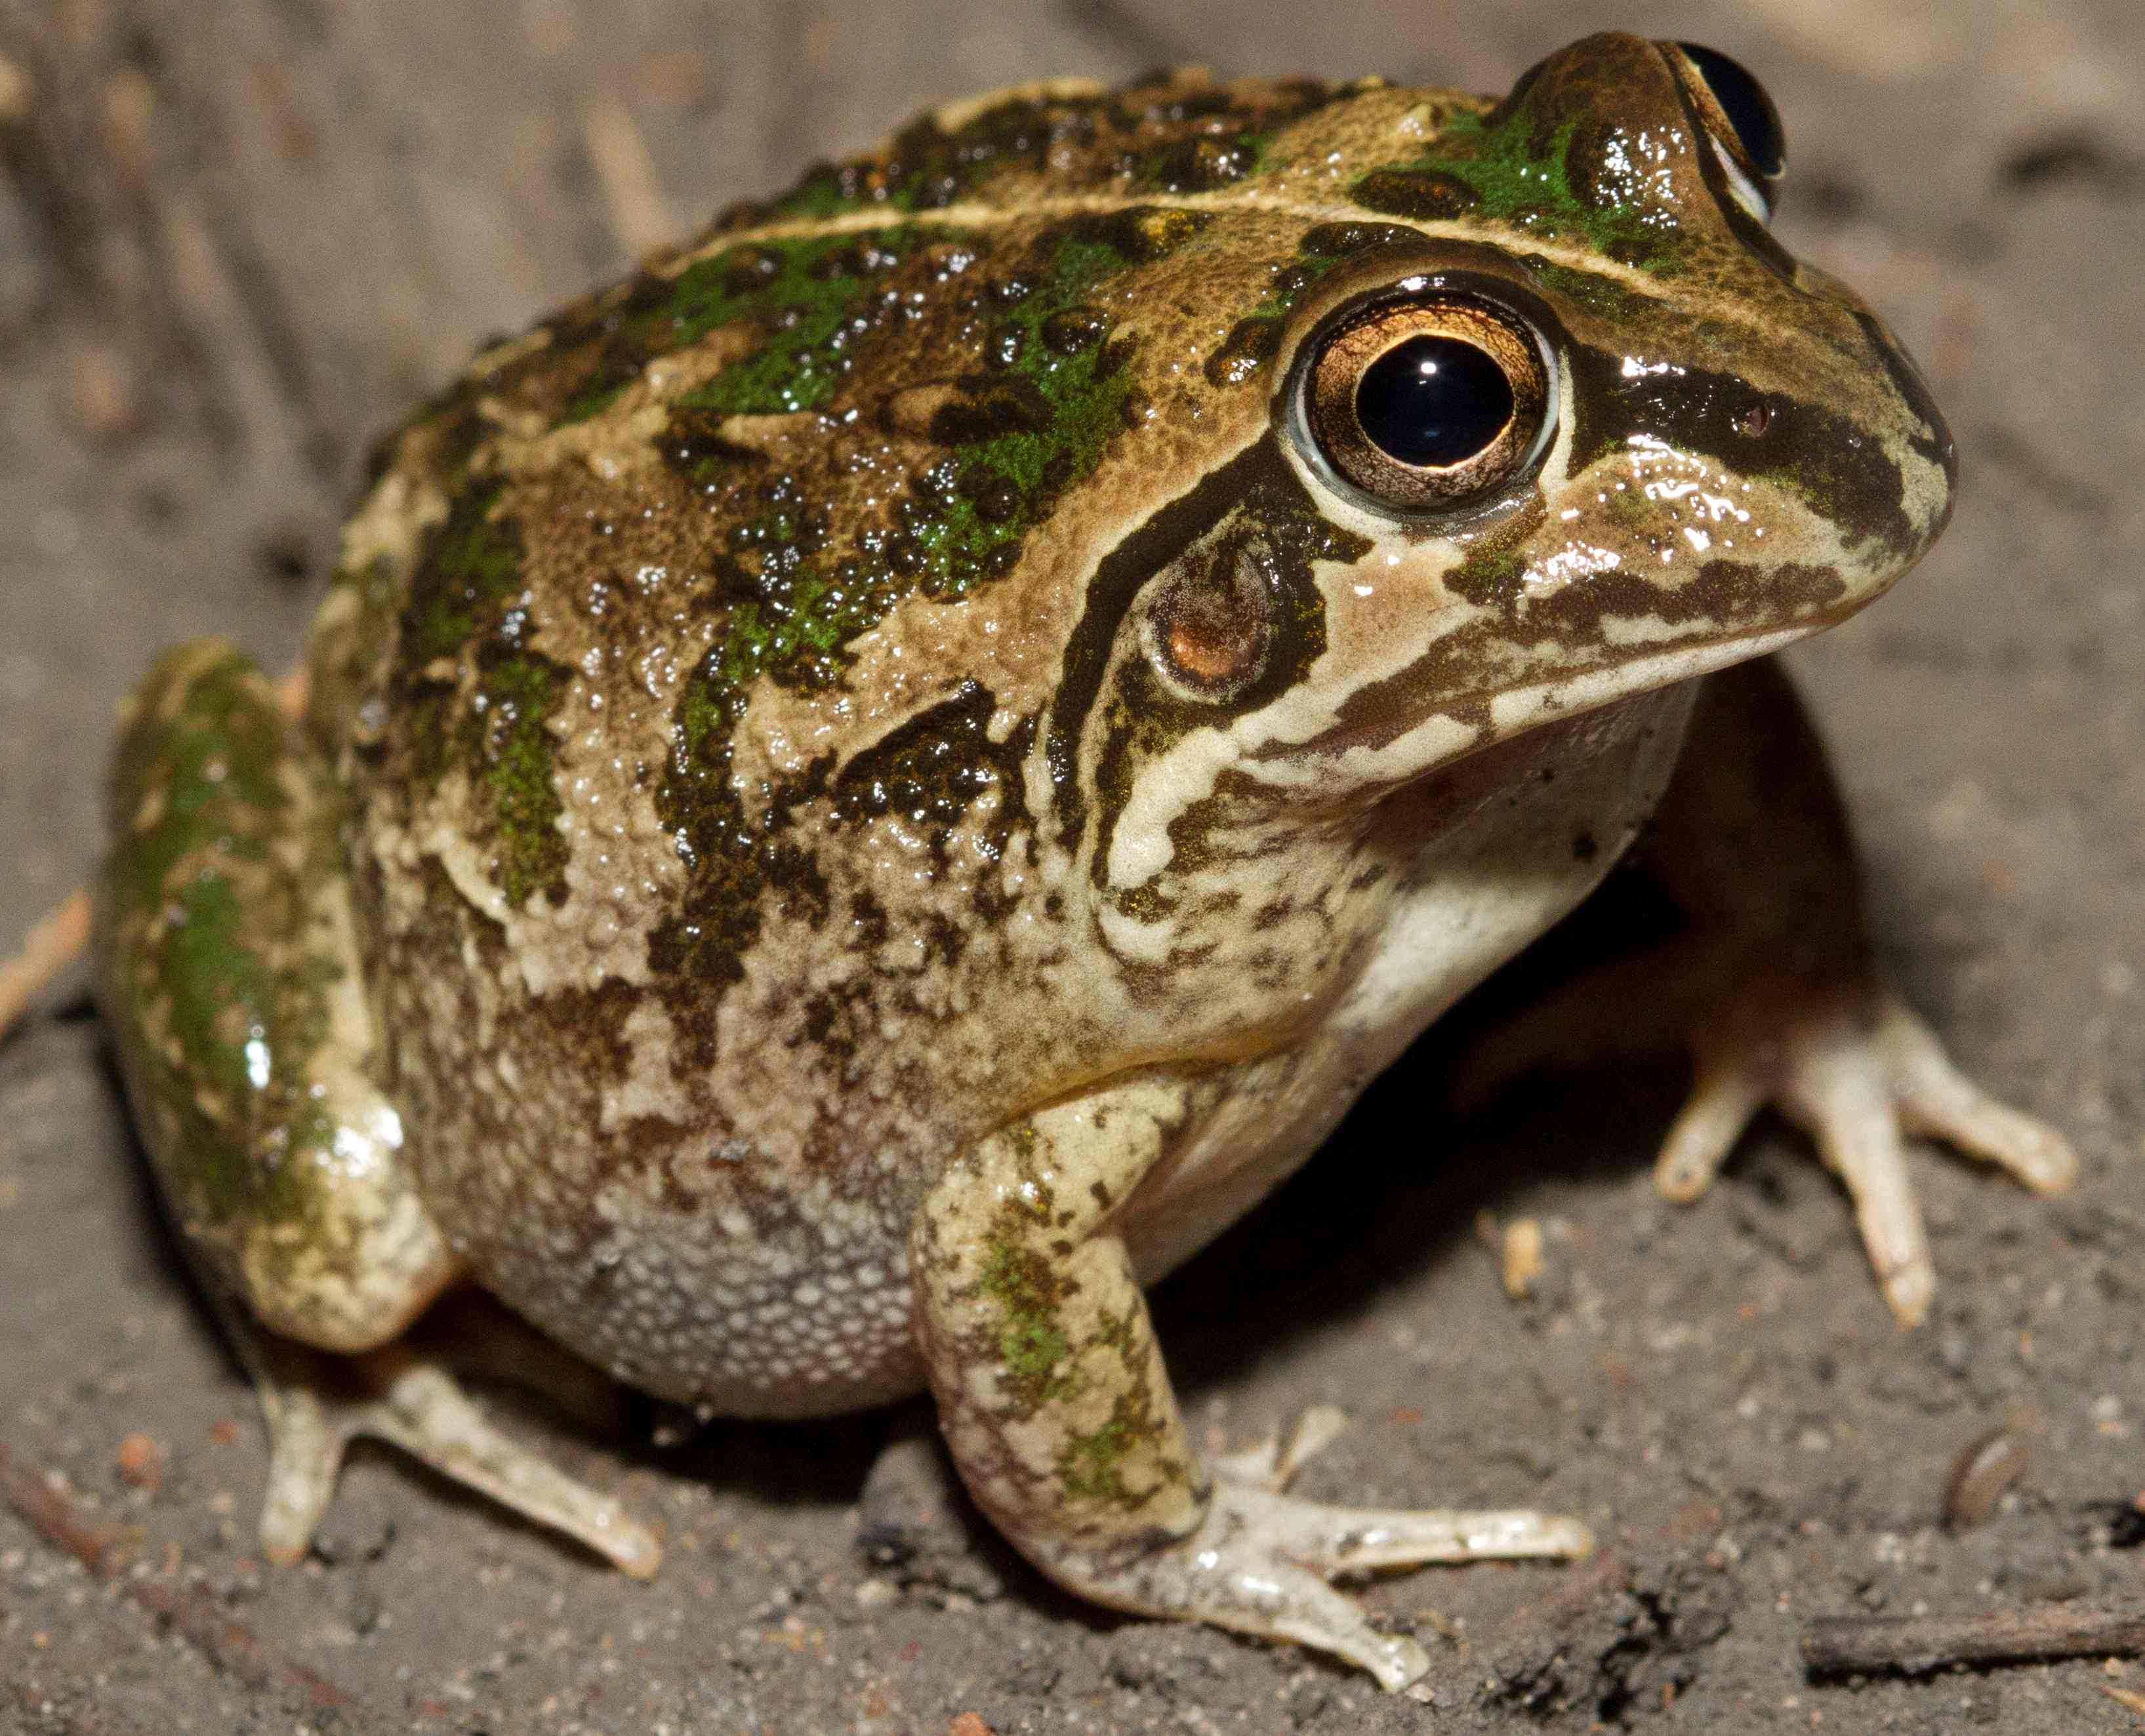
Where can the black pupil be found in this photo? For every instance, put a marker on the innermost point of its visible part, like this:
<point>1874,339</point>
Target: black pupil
<point>1749,109</point>
<point>1433,400</point>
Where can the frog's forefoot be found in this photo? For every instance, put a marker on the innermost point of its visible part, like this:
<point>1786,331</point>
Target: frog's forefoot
<point>1857,1070</point>
<point>316,1404</point>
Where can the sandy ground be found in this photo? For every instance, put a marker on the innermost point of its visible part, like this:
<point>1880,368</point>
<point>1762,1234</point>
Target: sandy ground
<point>236,237</point>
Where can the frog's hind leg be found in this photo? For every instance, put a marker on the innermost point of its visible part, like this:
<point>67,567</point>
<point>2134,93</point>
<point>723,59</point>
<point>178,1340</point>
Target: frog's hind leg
<point>228,969</point>
<point>1059,1414</point>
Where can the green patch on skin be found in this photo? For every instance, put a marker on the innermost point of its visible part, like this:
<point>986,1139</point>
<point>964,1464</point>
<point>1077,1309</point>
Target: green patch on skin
<point>462,593</point>
<point>214,766</point>
<point>470,561</point>
<point>1066,393</point>
<point>1513,170</point>
<point>812,295</point>
<point>1032,1347</point>
<point>1088,1465</point>
<point>1053,395</point>
<point>515,745</point>
<point>220,997</point>
<point>1491,571</point>
<point>1091,1466</point>
<point>223,1013</point>
<point>1628,507</point>
<point>796,637</point>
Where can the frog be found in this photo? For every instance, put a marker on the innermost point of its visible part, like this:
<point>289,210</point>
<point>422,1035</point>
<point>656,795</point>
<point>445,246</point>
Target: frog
<point>858,795</point>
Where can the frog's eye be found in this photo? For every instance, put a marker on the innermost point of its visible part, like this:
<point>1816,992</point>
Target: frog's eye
<point>1740,121</point>
<point>1426,404</point>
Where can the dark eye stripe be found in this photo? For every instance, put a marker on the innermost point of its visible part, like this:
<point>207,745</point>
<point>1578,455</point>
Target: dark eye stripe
<point>1166,534</point>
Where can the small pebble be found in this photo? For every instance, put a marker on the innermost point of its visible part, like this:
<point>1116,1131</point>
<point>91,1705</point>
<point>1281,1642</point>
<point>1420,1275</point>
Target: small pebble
<point>1521,1261</point>
<point>1987,1466</point>
<point>141,1461</point>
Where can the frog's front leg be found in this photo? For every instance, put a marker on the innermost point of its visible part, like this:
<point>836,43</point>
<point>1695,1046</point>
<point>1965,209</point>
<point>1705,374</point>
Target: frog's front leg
<point>1055,1402</point>
<point>229,971</point>
<point>1773,988</point>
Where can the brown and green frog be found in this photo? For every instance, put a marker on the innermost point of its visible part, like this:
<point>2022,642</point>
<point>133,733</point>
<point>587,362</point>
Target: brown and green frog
<point>862,794</point>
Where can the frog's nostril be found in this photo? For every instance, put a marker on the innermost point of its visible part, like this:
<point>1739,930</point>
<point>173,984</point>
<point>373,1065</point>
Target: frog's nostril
<point>1752,422</point>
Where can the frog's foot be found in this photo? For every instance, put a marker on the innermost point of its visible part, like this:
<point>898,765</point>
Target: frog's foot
<point>317,1404</point>
<point>1259,1562</point>
<point>1856,1070</point>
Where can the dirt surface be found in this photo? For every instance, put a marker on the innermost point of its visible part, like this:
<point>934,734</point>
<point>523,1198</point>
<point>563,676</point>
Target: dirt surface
<point>237,235</point>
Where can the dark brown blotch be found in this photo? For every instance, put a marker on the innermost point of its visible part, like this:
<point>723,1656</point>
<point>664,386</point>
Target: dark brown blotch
<point>1429,196</point>
<point>932,770</point>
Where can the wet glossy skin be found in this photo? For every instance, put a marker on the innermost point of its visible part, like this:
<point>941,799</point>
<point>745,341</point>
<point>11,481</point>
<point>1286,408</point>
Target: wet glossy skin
<point>884,728</point>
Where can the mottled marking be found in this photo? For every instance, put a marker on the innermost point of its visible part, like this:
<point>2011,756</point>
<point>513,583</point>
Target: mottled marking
<point>961,525</point>
<point>1171,133</point>
<point>932,770</point>
<point>812,299</point>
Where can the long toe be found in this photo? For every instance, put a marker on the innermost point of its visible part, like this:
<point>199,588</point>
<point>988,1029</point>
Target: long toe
<point>317,1403</point>
<point>1937,1100</point>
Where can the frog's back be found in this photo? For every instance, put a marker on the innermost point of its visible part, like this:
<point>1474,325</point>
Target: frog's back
<point>735,568</point>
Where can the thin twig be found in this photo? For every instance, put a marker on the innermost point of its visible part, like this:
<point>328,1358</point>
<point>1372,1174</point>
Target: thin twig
<point>639,215</point>
<point>110,1554</point>
<point>1834,1645</point>
<point>54,944</point>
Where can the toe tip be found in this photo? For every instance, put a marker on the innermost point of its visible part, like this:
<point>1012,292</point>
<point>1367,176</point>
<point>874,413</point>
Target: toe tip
<point>1400,1664</point>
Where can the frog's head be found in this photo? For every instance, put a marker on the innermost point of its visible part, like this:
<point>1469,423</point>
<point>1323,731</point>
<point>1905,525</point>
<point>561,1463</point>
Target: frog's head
<point>1558,422</point>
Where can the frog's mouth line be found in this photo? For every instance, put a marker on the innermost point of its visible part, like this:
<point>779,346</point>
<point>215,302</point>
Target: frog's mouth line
<point>1491,715</point>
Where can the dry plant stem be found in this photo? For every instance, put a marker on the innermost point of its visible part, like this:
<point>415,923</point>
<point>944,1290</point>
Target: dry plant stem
<point>57,941</point>
<point>1834,1645</point>
<point>110,1554</point>
<point>54,944</point>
